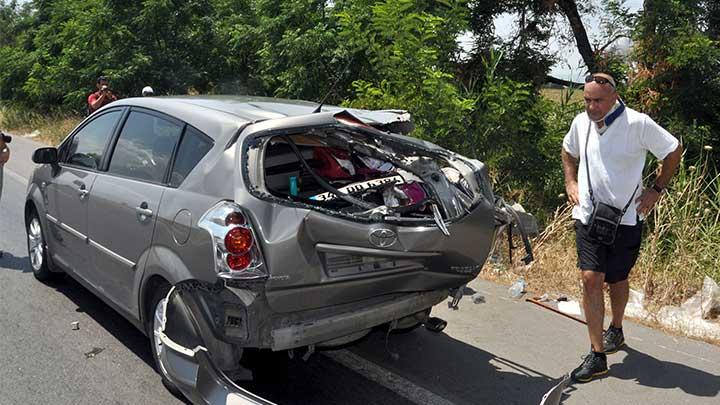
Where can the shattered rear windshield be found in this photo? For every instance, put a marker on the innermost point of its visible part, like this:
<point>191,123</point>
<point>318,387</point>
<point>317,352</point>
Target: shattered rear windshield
<point>356,175</point>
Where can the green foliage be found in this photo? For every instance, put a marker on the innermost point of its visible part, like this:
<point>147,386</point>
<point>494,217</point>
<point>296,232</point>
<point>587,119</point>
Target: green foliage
<point>404,43</point>
<point>677,79</point>
<point>382,54</point>
<point>173,46</point>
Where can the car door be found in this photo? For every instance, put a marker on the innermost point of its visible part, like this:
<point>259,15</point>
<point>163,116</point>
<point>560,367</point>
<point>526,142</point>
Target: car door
<point>124,202</point>
<point>81,156</point>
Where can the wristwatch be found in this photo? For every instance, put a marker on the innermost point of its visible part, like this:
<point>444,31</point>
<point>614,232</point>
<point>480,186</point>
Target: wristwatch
<point>657,188</point>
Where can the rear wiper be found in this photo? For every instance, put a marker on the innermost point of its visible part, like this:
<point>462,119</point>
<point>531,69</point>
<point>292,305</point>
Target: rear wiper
<point>439,220</point>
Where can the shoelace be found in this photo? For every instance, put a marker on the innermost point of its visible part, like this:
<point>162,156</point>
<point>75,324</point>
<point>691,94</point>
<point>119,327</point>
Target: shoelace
<point>612,334</point>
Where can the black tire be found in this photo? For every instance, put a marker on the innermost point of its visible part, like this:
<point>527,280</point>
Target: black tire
<point>37,249</point>
<point>158,295</point>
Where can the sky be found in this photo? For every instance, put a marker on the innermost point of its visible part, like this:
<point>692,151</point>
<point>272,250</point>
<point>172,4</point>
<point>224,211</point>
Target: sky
<point>570,65</point>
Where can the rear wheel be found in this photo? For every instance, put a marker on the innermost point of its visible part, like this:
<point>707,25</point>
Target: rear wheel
<point>37,249</point>
<point>154,327</point>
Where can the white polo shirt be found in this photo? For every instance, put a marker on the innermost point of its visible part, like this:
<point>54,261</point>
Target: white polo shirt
<point>616,159</point>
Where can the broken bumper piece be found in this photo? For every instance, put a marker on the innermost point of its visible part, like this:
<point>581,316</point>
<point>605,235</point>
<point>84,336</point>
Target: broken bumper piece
<point>188,365</point>
<point>326,330</point>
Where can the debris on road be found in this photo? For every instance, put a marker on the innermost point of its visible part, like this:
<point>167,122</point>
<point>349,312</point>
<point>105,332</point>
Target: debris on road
<point>554,307</point>
<point>518,288</point>
<point>478,298</point>
<point>554,396</point>
<point>75,325</point>
<point>570,307</point>
<point>94,352</point>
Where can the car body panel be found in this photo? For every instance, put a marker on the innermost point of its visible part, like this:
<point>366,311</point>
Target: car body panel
<point>119,236</point>
<point>424,268</point>
<point>67,213</point>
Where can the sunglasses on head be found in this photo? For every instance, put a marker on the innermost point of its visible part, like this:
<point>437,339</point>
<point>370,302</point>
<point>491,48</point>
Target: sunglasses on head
<point>599,80</point>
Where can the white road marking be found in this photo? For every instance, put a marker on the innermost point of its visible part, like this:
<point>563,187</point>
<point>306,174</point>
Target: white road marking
<point>387,379</point>
<point>15,176</point>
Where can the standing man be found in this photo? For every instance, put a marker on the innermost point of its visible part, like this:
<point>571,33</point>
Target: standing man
<point>102,96</point>
<point>603,159</point>
<point>4,157</point>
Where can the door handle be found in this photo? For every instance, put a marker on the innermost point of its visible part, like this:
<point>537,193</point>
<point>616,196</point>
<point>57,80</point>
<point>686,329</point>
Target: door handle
<point>143,211</point>
<point>82,192</point>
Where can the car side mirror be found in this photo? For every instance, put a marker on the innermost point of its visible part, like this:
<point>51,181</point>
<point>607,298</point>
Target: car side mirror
<point>45,156</point>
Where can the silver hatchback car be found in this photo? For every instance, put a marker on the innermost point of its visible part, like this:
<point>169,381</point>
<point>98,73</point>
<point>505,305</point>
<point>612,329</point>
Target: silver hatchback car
<point>219,225</point>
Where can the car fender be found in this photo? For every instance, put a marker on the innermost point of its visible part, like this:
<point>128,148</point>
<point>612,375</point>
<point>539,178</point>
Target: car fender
<point>36,197</point>
<point>165,263</point>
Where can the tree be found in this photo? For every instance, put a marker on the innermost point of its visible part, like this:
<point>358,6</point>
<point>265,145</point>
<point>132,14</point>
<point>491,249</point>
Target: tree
<point>678,59</point>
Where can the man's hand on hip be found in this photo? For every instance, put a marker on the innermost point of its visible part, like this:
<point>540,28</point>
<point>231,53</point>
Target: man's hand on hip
<point>571,189</point>
<point>647,201</point>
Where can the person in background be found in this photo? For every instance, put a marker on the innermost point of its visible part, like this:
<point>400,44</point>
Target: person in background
<point>102,96</point>
<point>148,91</point>
<point>4,157</point>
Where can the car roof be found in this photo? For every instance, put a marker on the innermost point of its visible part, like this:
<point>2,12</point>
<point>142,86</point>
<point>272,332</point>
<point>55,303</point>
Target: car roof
<point>221,116</point>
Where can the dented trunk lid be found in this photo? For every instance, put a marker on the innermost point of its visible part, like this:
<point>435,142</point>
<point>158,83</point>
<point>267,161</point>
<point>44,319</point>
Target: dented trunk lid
<point>319,255</point>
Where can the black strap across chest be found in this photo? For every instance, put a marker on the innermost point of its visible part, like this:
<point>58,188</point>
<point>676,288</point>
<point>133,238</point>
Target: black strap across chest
<point>587,168</point>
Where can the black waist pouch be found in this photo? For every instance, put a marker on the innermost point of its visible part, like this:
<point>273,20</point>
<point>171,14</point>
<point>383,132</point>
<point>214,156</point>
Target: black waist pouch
<point>604,223</point>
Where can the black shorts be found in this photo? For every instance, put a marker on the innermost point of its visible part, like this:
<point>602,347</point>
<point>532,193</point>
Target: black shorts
<point>614,260</point>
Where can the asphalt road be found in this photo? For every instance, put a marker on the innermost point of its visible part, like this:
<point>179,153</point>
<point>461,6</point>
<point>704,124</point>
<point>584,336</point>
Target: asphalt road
<point>500,351</point>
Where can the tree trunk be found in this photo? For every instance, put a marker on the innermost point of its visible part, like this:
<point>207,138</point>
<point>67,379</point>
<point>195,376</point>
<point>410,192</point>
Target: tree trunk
<point>561,82</point>
<point>569,8</point>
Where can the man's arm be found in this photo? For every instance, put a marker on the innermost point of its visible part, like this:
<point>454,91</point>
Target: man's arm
<point>649,196</point>
<point>98,101</point>
<point>570,168</point>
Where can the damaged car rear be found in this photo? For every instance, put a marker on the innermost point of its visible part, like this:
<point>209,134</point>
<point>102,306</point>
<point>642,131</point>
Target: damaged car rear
<point>279,226</point>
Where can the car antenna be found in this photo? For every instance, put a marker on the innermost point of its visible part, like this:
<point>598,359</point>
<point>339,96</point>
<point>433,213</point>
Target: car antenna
<point>332,88</point>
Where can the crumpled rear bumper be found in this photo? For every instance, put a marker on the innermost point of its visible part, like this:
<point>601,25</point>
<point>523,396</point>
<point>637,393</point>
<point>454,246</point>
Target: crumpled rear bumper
<point>191,369</point>
<point>326,329</point>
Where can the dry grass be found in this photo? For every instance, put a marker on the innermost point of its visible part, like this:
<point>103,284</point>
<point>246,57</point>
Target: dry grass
<point>562,95</point>
<point>554,269</point>
<point>46,128</point>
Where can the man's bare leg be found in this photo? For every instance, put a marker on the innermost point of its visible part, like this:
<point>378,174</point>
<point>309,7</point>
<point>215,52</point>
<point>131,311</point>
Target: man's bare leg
<point>594,305</point>
<point>619,293</point>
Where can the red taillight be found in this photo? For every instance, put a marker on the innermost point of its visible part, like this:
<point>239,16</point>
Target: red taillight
<point>239,262</point>
<point>238,254</point>
<point>238,241</point>
<point>234,218</point>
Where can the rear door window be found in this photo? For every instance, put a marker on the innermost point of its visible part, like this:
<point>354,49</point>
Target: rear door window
<point>144,148</point>
<point>87,146</point>
<point>193,147</point>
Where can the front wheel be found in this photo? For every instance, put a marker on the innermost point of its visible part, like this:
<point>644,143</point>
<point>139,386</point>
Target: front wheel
<point>37,249</point>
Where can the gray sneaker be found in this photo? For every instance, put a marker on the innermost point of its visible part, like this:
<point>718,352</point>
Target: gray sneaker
<point>613,340</point>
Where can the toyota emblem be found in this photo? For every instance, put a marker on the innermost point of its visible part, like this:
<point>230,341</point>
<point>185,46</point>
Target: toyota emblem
<point>383,238</point>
